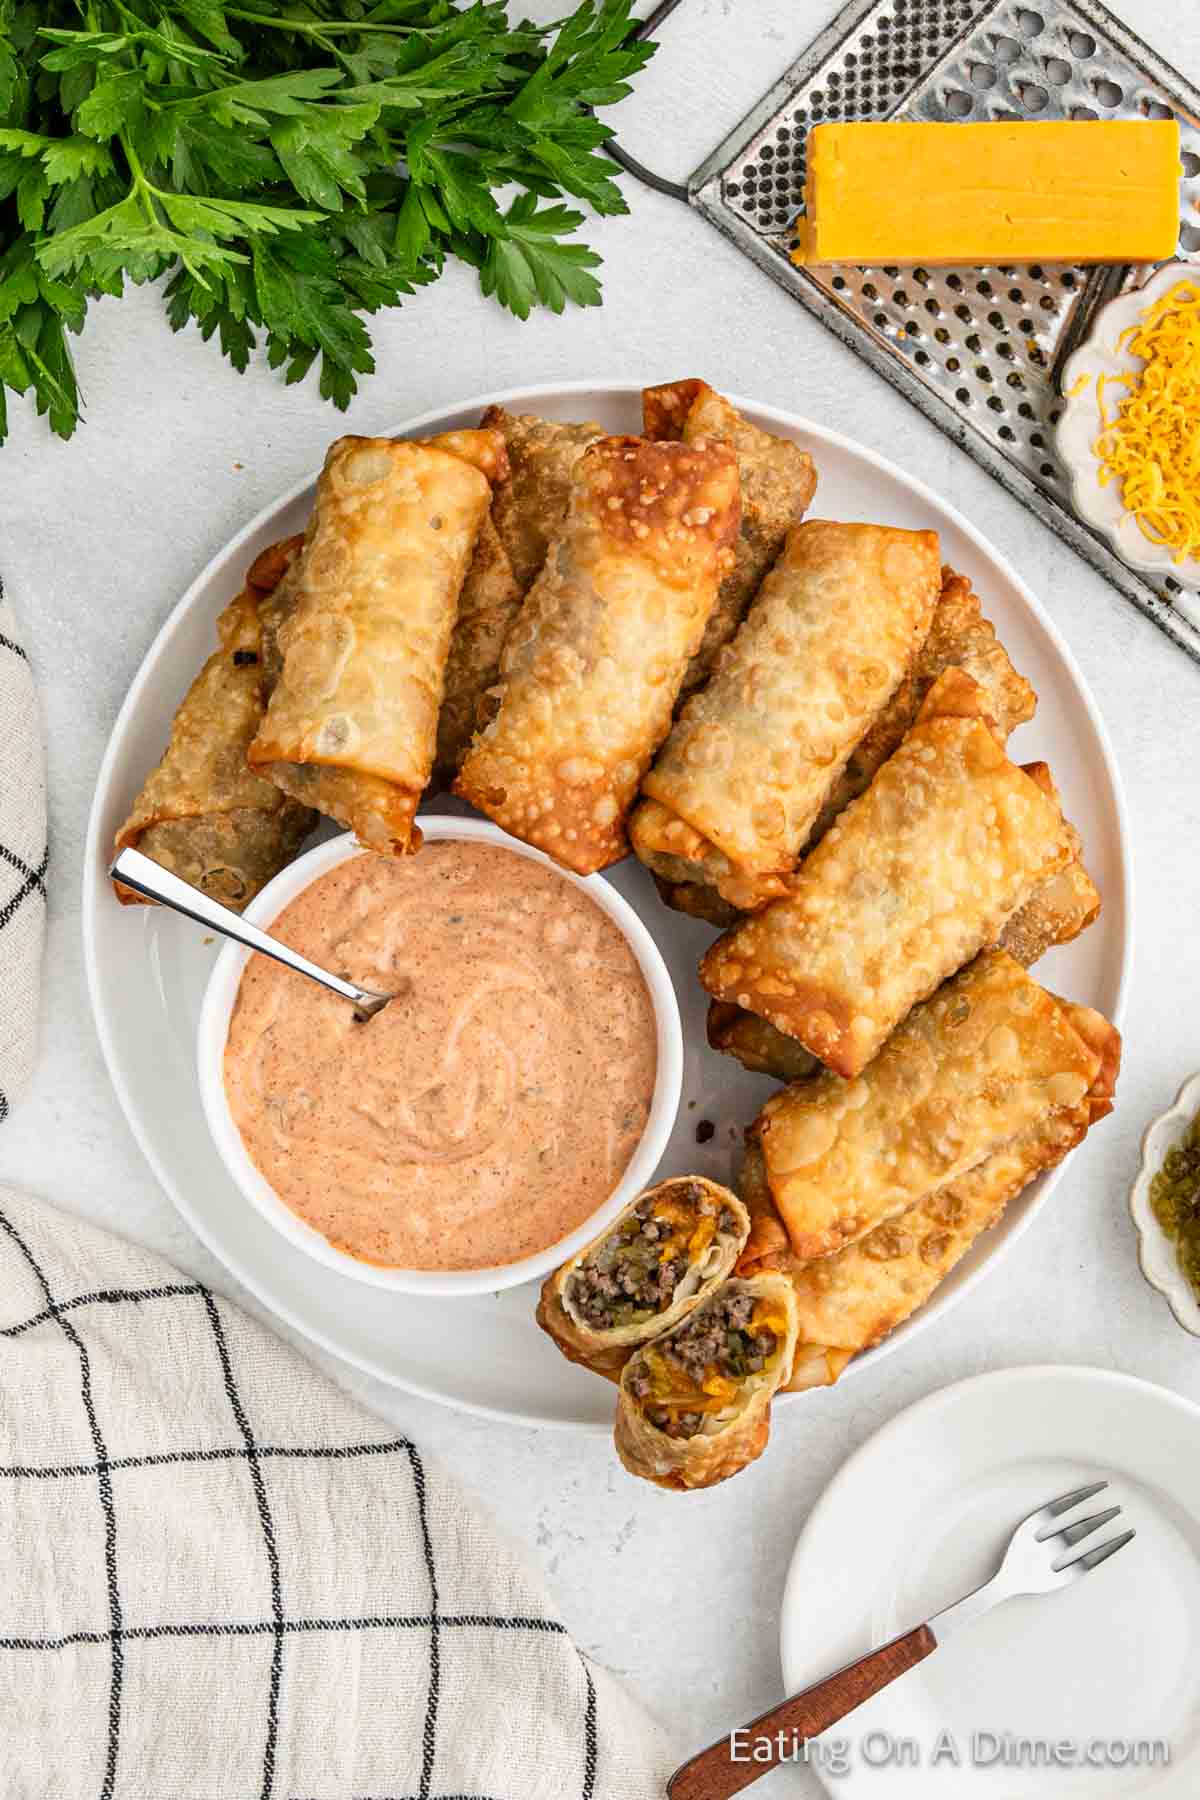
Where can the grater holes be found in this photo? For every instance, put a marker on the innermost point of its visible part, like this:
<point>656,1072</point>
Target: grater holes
<point>1189,237</point>
<point>1006,432</point>
<point>1107,92</point>
<point>958,104</point>
<point>1048,469</point>
<point>1068,280</point>
<point>1082,46</point>
<point>1154,109</point>
<point>996,321</point>
<point>1034,99</point>
<point>1018,299</point>
<point>1058,71</point>
<point>995,404</point>
<point>1191,165</point>
<point>963,396</point>
<point>1005,49</point>
<point>1084,112</point>
<point>982,75</point>
<point>1048,303</point>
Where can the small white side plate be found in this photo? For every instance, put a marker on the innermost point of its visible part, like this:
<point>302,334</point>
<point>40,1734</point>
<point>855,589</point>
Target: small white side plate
<point>1103,507</point>
<point>921,1514</point>
<point>1156,1252</point>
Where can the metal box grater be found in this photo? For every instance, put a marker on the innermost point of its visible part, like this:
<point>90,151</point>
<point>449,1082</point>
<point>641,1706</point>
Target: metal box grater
<point>978,350</point>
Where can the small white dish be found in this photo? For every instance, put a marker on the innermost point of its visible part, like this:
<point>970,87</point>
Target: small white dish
<point>1103,508</point>
<point>217,1008</point>
<point>920,1515</point>
<point>1156,1252</point>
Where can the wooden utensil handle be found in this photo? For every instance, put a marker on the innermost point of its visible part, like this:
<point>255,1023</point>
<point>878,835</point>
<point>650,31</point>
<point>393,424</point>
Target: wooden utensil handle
<point>714,1774</point>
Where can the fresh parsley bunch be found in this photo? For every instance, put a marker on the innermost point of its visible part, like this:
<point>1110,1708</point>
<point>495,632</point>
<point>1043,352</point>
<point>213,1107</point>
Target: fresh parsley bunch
<point>293,165</point>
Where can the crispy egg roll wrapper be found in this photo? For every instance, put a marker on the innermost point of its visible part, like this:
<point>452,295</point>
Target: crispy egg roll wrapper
<point>606,1350</point>
<point>987,1057</point>
<point>352,722</point>
<point>778,481</point>
<point>202,813</point>
<point>917,875</point>
<point>850,1301</point>
<point>959,636</point>
<point>734,792</point>
<point>1054,914</point>
<point>593,664</point>
<point>757,1045</point>
<point>735,1431</point>
<point>488,605</point>
<point>530,503</point>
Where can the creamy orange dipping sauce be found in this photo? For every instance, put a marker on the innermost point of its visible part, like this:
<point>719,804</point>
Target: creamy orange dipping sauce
<point>489,1109</point>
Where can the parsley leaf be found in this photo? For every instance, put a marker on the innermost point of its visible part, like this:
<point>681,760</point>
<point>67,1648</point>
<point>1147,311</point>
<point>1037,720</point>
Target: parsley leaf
<point>291,169</point>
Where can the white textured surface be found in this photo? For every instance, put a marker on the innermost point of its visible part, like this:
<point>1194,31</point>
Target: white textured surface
<point>99,537</point>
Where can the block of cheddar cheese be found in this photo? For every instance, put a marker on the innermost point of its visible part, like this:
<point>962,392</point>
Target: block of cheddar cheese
<point>1076,191</point>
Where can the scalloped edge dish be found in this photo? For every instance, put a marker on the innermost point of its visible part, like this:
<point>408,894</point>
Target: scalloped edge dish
<point>1075,435</point>
<point>1156,1253</point>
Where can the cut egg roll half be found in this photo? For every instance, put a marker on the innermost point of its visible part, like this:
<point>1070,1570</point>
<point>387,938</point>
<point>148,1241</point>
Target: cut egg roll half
<point>667,1251</point>
<point>694,1404</point>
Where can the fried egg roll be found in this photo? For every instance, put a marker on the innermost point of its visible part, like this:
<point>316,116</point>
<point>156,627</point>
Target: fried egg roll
<point>917,875</point>
<point>849,1302</point>
<point>1055,913</point>
<point>531,501</point>
<point>352,722</point>
<point>989,1056</point>
<point>488,605</point>
<point>594,662</point>
<point>734,792</point>
<point>959,636</point>
<point>778,481</point>
<point>202,813</point>
<point>757,1045</point>
<point>664,1254</point>
<point>694,1404</point>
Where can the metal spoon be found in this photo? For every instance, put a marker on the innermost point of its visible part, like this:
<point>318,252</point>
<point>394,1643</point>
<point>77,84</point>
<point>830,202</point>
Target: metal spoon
<point>133,870</point>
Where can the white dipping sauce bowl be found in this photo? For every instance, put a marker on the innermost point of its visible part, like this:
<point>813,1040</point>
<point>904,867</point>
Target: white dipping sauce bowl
<point>217,1011</point>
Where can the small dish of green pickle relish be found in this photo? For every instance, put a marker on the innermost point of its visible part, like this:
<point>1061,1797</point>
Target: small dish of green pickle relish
<point>1165,1206</point>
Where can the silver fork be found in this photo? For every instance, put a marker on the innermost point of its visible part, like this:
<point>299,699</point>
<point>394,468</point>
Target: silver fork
<point>1035,1562</point>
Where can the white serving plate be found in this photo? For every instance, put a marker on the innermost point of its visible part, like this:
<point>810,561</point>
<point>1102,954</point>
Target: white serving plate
<point>1103,508</point>
<point>920,1515</point>
<point>147,969</point>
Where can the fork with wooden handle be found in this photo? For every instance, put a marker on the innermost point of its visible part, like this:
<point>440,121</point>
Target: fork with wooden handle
<point>1034,1563</point>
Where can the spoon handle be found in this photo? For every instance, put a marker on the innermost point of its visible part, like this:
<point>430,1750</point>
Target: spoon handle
<point>137,872</point>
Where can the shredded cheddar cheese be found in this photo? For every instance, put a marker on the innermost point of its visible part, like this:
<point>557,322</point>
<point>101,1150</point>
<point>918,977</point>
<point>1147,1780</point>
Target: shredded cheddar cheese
<point>1151,442</point>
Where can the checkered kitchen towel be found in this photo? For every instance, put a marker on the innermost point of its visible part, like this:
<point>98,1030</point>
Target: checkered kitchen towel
<point>23,858</point>
<point>220,1579</point>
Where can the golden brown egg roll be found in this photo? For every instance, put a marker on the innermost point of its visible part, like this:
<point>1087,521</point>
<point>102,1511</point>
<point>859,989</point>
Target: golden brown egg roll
<point>488,605</point>
<point>352,721</point>
<point>916,876</point>
<point>202,813</point>
<point>592,666</point>
<point>778,481</point>
<point>733,794</point>
<point>757,1045</point>
<point>663,1255</point>
<point>1055,913</point>
<point>531,501</point>
<point>850,1301</point>
<point>959,636</point>
<point>990,1055</point>
<point>694,1405</point>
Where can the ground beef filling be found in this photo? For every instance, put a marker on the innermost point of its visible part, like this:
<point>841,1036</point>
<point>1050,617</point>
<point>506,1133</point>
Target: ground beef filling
<point>718,1340</point>
<point>635,1271</point>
